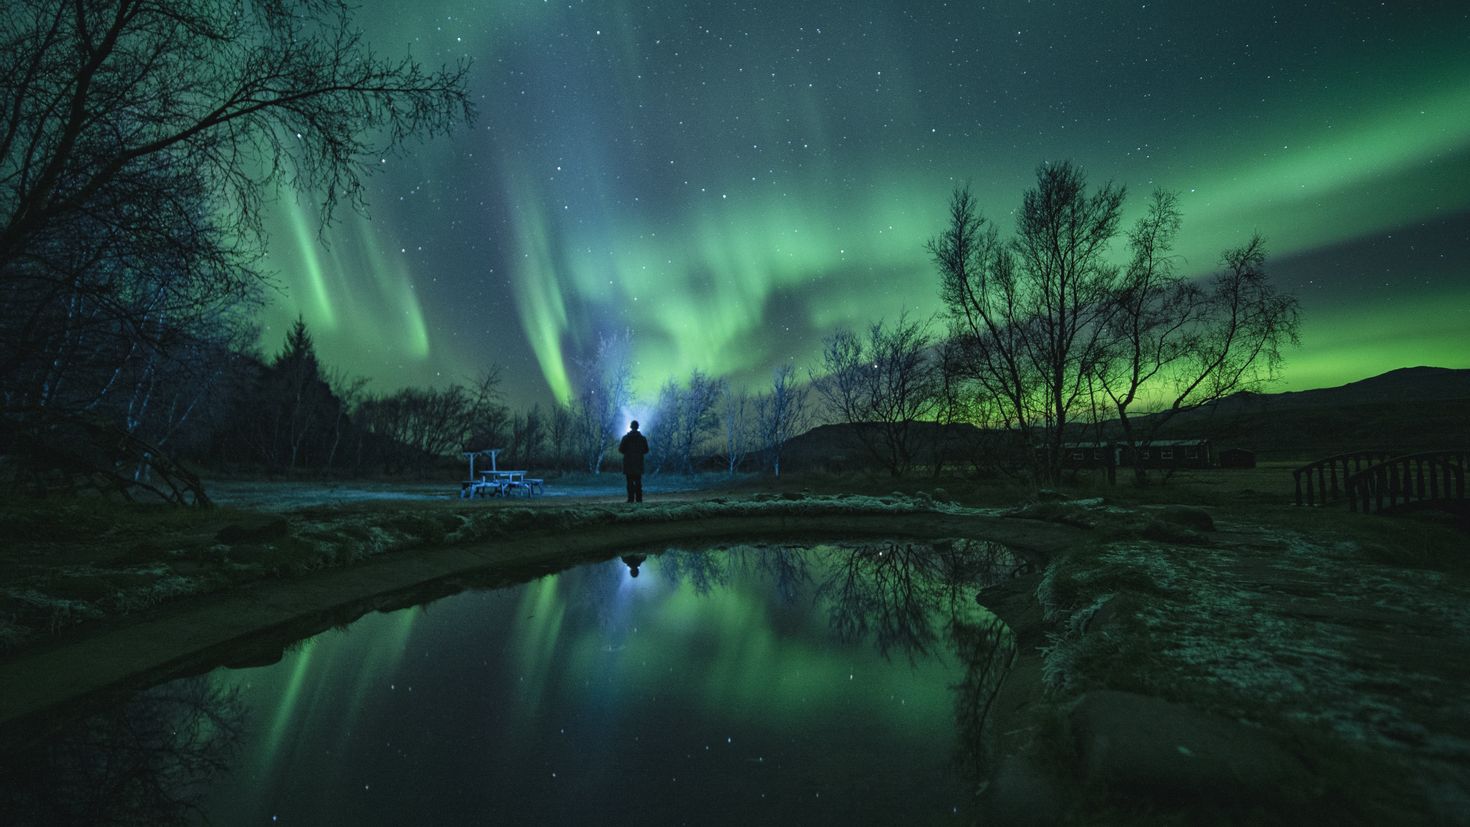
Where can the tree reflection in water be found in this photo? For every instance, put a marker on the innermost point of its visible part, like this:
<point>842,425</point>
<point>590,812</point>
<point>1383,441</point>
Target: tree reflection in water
<point>703,571</point>
<point>912,598</point>
<point>149,761</point>
<point>889,591</point>
<point>915,598</point>
<point>153,759</point>
<point>986,649</point>
<point>788,568</point>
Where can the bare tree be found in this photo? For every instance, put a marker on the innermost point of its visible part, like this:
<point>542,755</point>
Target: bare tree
<point>1175,345</point>
<point>686,416</point>
<point>1032,311</point>
<point>736,427</point>
<point>882,385</point>
<point>559,434</point>
<point>988,323</point>
<point>433,423</point>
<point>953,408</point>
<point>1154,311</point>
<point>526,435</point>
<point>606,382</point>
<point>169,393</point>
<point>665,417</point>
<point>1061,247</point>
<point>352,390</point>
<point>488,417</point>
<point>892,592</point>
<point>1044,325</point>
<point>781,414</point>
<point>139,143</point>
<point>242,96</point>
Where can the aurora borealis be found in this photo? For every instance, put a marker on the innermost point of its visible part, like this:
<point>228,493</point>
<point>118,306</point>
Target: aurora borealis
<point>731,182</point>
<point>662,698</point>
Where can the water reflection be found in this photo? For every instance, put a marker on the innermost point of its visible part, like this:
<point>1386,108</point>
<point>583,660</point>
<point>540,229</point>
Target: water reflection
<point>766,683</point>
<point>787,569</point>
<point>917,599</point>
<point>633,561</point>
<point>149,761</point>
<point>703,572</point>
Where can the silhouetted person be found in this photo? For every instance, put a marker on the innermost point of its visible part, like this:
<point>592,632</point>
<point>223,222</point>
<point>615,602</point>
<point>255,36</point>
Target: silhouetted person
<point>633,561</point>
<point>633,447</point>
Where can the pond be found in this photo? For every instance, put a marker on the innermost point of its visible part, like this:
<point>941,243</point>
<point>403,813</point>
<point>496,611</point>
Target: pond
<point>757,683</point>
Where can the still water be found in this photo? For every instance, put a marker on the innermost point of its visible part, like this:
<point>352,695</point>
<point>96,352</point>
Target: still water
<point>764,684</point>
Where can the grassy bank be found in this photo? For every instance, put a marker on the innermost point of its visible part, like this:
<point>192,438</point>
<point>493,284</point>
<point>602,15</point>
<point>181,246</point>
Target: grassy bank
<point>1232,664</point>
<point>76,564</point>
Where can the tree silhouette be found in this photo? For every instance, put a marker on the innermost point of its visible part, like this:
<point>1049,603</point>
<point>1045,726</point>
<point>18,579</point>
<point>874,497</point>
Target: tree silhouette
<point>736,427</point>
<point>606,386</point>
<point>685,417</point>
<point>140,141</point>
<point>881,385</point>
<point>781,414</point>
<point>1042,322</point>
<point>1187,344</point>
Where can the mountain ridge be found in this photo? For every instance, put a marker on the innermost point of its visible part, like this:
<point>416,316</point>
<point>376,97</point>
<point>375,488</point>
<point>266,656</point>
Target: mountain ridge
<point>1421,383</point>
<point>1406,409</point>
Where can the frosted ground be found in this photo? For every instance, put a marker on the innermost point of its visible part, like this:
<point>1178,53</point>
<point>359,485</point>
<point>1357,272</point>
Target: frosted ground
<point>289,496</point>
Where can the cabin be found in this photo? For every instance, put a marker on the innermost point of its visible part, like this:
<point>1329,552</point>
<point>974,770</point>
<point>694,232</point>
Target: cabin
<point>1176,453</point>
<point>1090,454</point>
<point>1164,454</point>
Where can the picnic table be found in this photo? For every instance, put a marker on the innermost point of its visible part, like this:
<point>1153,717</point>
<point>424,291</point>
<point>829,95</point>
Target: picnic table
<point>495,482</point>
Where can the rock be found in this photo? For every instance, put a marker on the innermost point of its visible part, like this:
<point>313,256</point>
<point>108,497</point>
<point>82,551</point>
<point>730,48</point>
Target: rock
<point>1047,495</point>
<point>1149,748</point>
<point>235,534</point>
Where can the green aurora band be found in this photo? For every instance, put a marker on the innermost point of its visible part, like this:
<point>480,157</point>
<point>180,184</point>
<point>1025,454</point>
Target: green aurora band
<point>739,664</point>
<point>731,196</point>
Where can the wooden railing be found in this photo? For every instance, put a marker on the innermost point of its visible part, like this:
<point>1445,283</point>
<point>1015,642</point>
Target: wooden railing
<point>1429,477</point>
<point>1326,479</point>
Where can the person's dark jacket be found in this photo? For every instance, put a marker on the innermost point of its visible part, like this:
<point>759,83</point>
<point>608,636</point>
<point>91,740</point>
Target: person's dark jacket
<point>633,447</point>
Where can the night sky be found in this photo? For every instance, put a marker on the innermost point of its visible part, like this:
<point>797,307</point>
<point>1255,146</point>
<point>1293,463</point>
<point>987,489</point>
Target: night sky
<point>732,181</point>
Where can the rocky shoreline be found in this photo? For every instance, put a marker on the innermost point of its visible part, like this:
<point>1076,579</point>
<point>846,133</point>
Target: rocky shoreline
<point>1237,674</point>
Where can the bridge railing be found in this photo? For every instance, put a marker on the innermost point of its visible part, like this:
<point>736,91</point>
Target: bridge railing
<point>1325,480</point>
<point>1430,476</point>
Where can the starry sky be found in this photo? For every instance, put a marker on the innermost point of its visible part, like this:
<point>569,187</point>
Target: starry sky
<point>733,181</point>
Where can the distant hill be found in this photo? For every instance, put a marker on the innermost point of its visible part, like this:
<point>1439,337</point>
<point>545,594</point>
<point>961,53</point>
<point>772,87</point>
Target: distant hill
<point>1409,409</point>
<point>840,447</point>
<point>1419,384</point>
